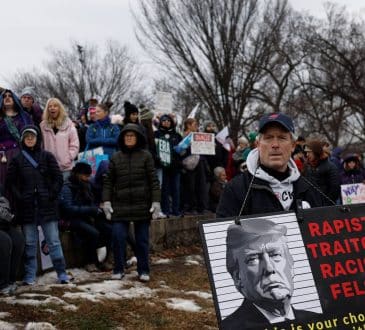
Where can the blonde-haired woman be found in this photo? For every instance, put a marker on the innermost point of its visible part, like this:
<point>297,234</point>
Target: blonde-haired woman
<point>59,135</point>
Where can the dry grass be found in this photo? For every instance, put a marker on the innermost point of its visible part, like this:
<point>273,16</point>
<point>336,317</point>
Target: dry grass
<point>136,313</point>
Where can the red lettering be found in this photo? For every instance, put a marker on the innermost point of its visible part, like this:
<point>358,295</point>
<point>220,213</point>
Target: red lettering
<point>314,229</point>
<point>313,248</point>
<point>356,224</point>
<point>326,270</point>
<point>327,229</point>
<point>338,224</point>
<point>335,290</point>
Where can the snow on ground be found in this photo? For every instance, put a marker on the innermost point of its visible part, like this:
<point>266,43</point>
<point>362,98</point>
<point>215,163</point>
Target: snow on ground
<point>96,287</point>
<point>194,260</point>
<point>162,261</point>
<point>183,304</point>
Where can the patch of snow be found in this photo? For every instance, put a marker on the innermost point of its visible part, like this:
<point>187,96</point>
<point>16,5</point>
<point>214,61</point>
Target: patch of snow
<point>182,304</point>
<point>110,289</point>
<point>162,262</point>
<point>39,326</point>
<point>6,326</point>
<point>200,294</point>
<point>194,260</point>
<point>4,314</point>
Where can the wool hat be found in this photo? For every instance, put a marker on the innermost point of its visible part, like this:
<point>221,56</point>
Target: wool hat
<point>145,114</point>
<point>279,118</point>
<point>252,137</point>
<point>28,130</point>
<point>29,91</point>
<point>82,168</point>
<point>129,108</point>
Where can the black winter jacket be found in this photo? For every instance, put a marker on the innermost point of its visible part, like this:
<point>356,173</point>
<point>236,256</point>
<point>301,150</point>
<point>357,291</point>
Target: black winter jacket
<point>35,186</point>
<point>261,198</point>
<point>326,177</point>
<point>76,201</point>
<point>131,184</point>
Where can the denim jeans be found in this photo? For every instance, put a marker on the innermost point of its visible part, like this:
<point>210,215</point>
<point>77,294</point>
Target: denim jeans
<point>50,231</point>
<point>141,233</point>
<point>170,187</point>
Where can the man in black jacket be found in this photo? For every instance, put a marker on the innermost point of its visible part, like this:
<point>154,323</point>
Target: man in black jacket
<point>272,182</point>
<point>261,266</point>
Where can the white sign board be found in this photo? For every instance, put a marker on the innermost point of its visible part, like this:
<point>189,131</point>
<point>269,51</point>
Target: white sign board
<point>203,144</point>
<point>46,261</point>
<point>164,102</point>
<point>353,193</point>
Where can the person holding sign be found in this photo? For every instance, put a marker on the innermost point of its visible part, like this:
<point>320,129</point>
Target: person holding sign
<point>166,138</point>
<point>272,182</point>
<point>261,266</point>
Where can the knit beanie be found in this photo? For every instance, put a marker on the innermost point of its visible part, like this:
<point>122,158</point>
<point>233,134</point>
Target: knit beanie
<point>129,108</point>
<point>82,168</point>
<point>28,130</point>
<point>146,114</point>
<point>28,91</point>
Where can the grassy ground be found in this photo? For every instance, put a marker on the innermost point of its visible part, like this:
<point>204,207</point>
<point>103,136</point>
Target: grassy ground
<point>168,281</point>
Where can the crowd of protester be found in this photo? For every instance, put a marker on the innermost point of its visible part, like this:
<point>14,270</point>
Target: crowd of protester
<point>144,175</point>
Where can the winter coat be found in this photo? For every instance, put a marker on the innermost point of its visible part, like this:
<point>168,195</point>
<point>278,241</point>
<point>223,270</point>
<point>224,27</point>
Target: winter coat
<point>261,197</point>
<point>103,134</point>
<point>35,190</point>
<point>173,139</point>
<point>35,112</point>
<point>76,200</point>
<point>131,184</point>
<point>326,177</point>
<point>64,145</point>
<point>356,175</point>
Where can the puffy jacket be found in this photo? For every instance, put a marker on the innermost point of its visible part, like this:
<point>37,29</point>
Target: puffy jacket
<point>326,177</point>
<point>35,189</point>
<point>103,134</point>
<point>76,200</point>
<point>64,145</point>
<point>131,184</point>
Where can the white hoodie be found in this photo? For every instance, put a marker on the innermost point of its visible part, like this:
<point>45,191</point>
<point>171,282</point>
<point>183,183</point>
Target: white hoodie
<point>282,189</point>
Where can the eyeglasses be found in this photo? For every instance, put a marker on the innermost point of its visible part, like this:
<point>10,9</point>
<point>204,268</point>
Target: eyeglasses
<point>7,95</point>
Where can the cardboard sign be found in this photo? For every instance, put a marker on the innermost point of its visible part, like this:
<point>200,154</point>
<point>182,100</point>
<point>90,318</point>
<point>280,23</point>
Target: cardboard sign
<point>164,102</point>
<point>203,144</point>
<point>321,257</point>
<point>353,193</point>
<point>163,151</point>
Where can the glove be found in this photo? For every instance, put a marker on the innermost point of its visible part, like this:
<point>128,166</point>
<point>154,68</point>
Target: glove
<point>155,210</point>
<point>107,208</point>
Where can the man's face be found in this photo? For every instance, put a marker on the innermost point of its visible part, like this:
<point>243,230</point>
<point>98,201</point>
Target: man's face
<point>27,101</point>
<point>8,100</point>
<point>265,271</point>
<point>30,140</point>
<point>211,128</point>
<point>275,147</point>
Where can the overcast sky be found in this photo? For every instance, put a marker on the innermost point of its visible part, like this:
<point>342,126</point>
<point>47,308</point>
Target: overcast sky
<point>30,27</point>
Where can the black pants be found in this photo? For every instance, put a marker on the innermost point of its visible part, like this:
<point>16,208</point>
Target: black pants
<point>11,252</point>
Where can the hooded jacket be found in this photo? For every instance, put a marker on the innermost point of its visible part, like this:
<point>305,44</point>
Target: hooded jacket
<point>173,139</point>
<point>267,194</point>
<point>131,184</point>
<point>7,139</point>
<point>64,145</point>
<point>35,190</point>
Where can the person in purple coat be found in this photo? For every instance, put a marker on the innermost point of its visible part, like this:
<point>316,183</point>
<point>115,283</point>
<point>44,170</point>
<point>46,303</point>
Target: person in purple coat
<point>352,171</point>
<point>12,119</point>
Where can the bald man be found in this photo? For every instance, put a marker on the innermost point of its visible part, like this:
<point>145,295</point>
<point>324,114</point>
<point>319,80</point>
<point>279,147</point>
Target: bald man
<point>261,267</point>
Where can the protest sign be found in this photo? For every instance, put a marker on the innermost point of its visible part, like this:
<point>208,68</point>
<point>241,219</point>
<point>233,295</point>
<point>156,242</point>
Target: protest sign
<point>323,252</point>
<point>46,262</point>
<point>353,193</point>
<point>202,144</point>
<point>164,102</point>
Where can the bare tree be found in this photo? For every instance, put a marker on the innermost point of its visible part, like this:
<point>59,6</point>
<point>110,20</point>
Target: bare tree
<point>81,72</point>
<point>216,49</point>
<point>331,85</point>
